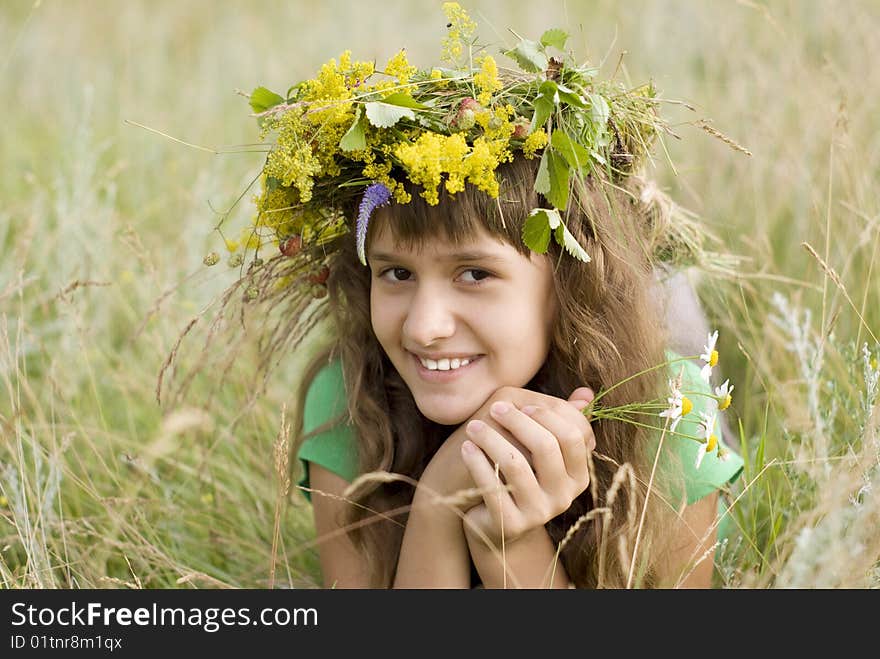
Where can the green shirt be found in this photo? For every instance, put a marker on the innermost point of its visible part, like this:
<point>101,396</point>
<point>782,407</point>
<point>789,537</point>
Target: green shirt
<point>335,449</point>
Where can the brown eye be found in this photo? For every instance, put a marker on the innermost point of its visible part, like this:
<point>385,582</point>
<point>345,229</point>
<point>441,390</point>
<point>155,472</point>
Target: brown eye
<point>479,276</point>
<point>400,274</point>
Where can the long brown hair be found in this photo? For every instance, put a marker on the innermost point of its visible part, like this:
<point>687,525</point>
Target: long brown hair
<point>608,328</point>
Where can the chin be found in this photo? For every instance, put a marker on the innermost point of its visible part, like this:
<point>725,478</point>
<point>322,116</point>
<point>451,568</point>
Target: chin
<point>446,417</point>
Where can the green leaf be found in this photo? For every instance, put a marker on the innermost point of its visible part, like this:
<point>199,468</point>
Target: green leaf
<point>543,110</point>
<point>555,37</point>
<point>558,169</point>
<point>572,246</point>
<point>262,99</point>
<point>404,100</point>
<point>549,90</point>
<point>577,157</point>
<point>355,139</point>
<point>272,183</point>
<point>542,180</point>
<point>571,97</point>
<point>536,231</point>
<point>384,115</point>
<point>599,109</point>
<point>529,55</point>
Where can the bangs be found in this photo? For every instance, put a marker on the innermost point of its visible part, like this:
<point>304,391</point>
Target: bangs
<point>459,218</point>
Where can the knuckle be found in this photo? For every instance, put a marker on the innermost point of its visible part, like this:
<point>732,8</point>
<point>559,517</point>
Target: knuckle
<point>547,447</point>
<point>573,438</point>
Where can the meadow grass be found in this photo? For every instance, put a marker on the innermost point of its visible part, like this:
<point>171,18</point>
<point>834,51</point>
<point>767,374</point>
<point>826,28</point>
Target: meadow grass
<point>103,227</point>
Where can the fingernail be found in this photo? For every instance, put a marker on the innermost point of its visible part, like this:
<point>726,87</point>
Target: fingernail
<point>500,407</point>
<point>528,410</point>
<point>468,446</point>
<point>475,426</point>
<point>580,404</point>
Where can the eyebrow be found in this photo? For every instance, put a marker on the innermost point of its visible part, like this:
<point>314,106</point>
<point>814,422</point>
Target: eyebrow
<point>456,257</point>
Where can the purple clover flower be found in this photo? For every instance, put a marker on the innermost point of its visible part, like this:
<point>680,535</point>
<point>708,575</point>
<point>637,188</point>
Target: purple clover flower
<point>374,196</point>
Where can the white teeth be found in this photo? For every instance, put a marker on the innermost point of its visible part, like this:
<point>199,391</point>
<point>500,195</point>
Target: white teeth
<point>444,364</point>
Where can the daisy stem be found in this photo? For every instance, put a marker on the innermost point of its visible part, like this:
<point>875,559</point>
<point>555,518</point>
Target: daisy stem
<point>635,375</point>
<point>648,425</point>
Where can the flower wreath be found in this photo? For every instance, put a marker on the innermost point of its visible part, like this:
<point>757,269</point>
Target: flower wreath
<point>357,132</point>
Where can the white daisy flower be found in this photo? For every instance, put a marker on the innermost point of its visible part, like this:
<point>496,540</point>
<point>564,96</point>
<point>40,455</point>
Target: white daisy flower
<point>679,405</point>
<point>710,356</point>
<point>723,392</point>
<point>708,423</point>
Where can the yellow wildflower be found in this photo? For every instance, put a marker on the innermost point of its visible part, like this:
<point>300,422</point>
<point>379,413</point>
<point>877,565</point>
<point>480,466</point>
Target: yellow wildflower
<point>484,159</point>
<point>295,167</point>
<point>231,245</point>
<point>535,141</point>
<point>429,158</point>
<point>487,79</point>
<point>330,81</point>
<point>275,208</point>
<point>461,29</point>
<point>399,67</point>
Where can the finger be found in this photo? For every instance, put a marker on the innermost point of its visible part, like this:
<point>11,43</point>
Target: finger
<point>511,462</point>
<point>582,393</point>
<point>576,416</point>
<point>573,441</point>
<point>482,471</point>
<point>538,439</point>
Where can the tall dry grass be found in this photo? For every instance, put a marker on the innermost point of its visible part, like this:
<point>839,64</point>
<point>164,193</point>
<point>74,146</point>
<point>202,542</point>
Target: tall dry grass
<point>103,226</point>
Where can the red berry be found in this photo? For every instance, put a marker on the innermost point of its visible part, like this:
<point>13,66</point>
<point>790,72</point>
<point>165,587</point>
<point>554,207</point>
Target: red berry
<point>321,276</point>
<point>291,246</point>
<point>520,131</point>
<point>469,104</point>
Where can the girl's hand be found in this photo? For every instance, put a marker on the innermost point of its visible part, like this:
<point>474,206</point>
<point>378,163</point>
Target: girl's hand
<point>556,436</point>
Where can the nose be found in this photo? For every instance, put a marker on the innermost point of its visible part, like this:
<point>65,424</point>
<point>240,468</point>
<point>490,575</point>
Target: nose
<point>430,317</point>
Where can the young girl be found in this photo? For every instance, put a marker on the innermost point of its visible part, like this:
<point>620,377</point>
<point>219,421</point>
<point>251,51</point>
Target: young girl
<point>467,422</point>
<point>538,333</point>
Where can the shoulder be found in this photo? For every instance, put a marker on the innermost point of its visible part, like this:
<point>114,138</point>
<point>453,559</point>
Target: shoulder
<point>325,396</point>
<point>329,436</point>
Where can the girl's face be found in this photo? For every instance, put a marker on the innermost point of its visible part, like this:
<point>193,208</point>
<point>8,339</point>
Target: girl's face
<point>482,301</point>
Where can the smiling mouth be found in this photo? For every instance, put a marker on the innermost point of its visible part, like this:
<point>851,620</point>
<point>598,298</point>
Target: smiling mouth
<point>440,375</point>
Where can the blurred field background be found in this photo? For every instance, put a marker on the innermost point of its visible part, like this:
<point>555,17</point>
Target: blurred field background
<point>103,227</point>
